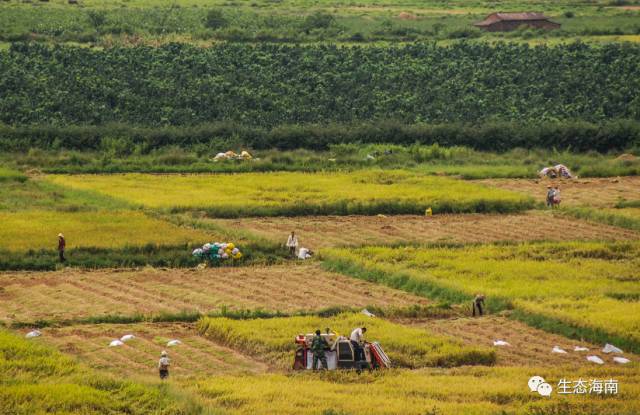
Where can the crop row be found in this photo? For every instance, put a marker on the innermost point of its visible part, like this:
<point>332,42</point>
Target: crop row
<point>271,85</point>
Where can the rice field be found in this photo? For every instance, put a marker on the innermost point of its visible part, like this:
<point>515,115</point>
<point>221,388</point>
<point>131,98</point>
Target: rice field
<point>335,231</point>
<point>37,379</point>
<point>590,192</point>
<point>294,194</point>
<point>38,229</point>
<point>589,286</point>
<point>407,347</point>
<point>469,391</point>
<point>195,357</point>
<point>77,294</point>
<point>630,212</point>
<point>528,346</point>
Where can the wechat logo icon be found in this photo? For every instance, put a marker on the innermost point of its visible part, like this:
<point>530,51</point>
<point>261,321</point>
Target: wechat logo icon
<point>538,384</point>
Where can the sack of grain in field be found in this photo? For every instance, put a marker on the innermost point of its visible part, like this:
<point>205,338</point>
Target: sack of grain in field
<point>595,359</point>
<point>174,342</point>
<point>32,334</point>
<point>127,337</point>
<point>115,343</point>
<point>610,348</point>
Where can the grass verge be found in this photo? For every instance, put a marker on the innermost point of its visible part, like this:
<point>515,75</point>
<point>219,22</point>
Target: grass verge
<point>190,316</point>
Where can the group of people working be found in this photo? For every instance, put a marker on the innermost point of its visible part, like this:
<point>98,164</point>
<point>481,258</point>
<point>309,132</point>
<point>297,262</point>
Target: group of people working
<point>292,245</point>
<point>319,345</point>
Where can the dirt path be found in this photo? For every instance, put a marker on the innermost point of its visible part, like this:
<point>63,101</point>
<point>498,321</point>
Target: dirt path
<point>195,357</point>
<point>328,231</point>
<point>528,346</point>
<point>73,294</point>
<point>577,192</point>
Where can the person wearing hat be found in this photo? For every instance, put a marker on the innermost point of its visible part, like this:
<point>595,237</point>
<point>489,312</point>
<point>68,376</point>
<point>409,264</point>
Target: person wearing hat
<point>61,246</point>
<point>163,365</point>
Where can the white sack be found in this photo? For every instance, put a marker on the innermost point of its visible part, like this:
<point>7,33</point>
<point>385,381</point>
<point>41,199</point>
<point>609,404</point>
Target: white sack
<point>580,349</point>
<point>34,333</point>
<point>174,343</point>
<point>500,343</point>
<point>127,337</point>
<point>621,360</point>
<point>610,348</point>
<point>595,359</point>
<point>556,349</point>
<point>115,343</point>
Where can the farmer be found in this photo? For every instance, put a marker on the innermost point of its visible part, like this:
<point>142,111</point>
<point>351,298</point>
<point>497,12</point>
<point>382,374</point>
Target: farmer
<point>477,304</point>
<point>61,245</point>
<point>318,346</point>
<point>292,244</point>
<point>163,365</point>
<point>357,339</point>
<point>550,196</point>
<point>556,196</point>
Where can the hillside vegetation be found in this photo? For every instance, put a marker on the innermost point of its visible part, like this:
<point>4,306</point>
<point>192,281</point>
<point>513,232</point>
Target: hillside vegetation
<point>270,85</point>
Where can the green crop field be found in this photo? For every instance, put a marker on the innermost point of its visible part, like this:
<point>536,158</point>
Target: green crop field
<point>205,22</point>
<point>273,194</point>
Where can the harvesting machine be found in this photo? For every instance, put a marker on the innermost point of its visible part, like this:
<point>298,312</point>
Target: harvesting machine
<point>340,355</point>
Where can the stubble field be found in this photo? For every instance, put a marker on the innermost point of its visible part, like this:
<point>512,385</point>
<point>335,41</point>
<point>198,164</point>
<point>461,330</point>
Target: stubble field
<point>75,294</point>
<point>334,231</point>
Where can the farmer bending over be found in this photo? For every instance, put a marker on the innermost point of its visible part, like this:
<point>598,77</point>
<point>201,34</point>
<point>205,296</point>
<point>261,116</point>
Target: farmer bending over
<point>477,304</point>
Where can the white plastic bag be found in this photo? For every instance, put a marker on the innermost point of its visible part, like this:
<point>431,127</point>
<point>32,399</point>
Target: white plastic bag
<point>556,349</point>
<point>127,337</point>
<point>621,360</point>
<point>115,343</point>
<point>32,334</point>
<point>368,313</point>
<point>610,348</point>
<point>500,343</point>
<point>174,342</point>
<point>595,359</point>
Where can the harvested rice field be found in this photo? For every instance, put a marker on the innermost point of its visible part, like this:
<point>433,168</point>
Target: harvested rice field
<point>528,346</point>
<point>335,231</point>
<point>605,192</point>
<point>75,294</point>
<point>196,356</point>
